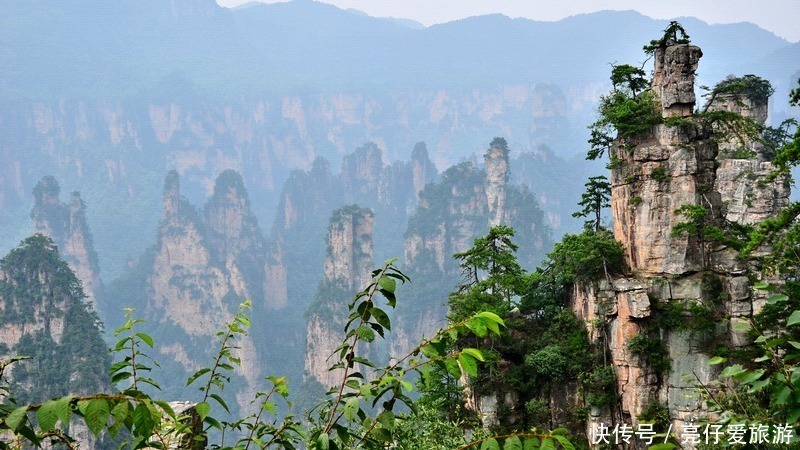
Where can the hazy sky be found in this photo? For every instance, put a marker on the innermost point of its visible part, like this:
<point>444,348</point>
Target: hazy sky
<point>782,17</point>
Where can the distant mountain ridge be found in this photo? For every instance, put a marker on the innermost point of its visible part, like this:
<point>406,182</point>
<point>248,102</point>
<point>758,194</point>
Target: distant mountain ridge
<point>99,49</point>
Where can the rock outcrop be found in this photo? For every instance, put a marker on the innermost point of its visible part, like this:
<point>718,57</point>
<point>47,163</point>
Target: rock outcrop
<point>747,197</point>
<point>66,224</point>
<point>202,267</point>
<point>497,174</point>
<point>658,181</point>
<point>347,269</point>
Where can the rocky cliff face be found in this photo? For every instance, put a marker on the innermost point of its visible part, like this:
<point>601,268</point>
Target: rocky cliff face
<point>652,177</point>
<point>66,225</point>
<point>202,267</point>
<point>497,173</point>
<point>747,197</point>
<point>347,269</point>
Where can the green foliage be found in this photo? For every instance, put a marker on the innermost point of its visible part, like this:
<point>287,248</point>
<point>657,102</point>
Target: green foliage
<point>550,362</point>
<point>700,227</point>
<point>492,277</point>
<point>596,197</point>
<point>630,109</point>
<point>499,143</point>
<point>428,429</point>
<point>656,413</point>
<point>600,387</point>
<point>755,88</point>
<point>629,79</point>
<point>788,155</point>
<point>586,256</point>
<point>765,382</point>
<point>659,173</point>
<point>631,117</point>
<point>360,412</point>
<point>673,34</point>
<point>779,137</point>
<point>546,345</point>
<point>38,287</point>
<point>651,350</point>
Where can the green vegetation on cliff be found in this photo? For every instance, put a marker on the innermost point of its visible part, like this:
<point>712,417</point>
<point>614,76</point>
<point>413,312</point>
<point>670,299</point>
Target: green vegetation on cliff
<point>44,317</point>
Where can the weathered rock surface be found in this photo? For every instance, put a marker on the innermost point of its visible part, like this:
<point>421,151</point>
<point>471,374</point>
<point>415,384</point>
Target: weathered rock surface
<point>673,78</point>
<point>652,177</point>
<point>747,197</point>
<point>66,224</point>
<point>347,268</point>
<point>203,266</point>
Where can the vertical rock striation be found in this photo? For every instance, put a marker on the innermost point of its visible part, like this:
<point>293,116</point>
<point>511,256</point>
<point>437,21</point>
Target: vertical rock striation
<point>347,269</point>
<point>202,267</point>
<point>682,163</point>
<point>497,173</point>
<point>66,224</point>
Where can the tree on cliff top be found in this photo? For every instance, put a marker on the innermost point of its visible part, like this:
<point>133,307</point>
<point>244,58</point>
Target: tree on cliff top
<point>593,200</point>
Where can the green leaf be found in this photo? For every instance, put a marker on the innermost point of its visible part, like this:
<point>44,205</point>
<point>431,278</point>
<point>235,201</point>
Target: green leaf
<point>564,442</point>
<point>387,283</point>
<point>365,333</point>
<point>429,351</point>
<point>492,316</point>
<point>197,375</point>
<point>203,408</point>
<point>793,416</point>
<point>749,376</point>
<point>777,298</point>
<point>96,415</point>
<point>477,326</point>
<point>213,422</point>
<point>490,444</point>
<point>220,401</point>
<point>64,410</point>
<point>468,364</point>
<point>119,376</point>
<point>763,286</point>
<point>547,444</point>
<point>387,420</point>
<point>663,446</point>
<point>323,441</point>
<point>120,411</point>
<point>512,443</point>
<point>452,367</point>
<point>351,408</point>
<point>794,319</point>
<point>46,416</point>
<point>757,385</point>
<point>531,443</point>
<point>474,352</point>
<point>143,420</point>
<point>781,395</point>
<point>717,360</point>
<point>16,417</point>
<point>145,338</point>
<point>381,317</point>
<point>381,433</point>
